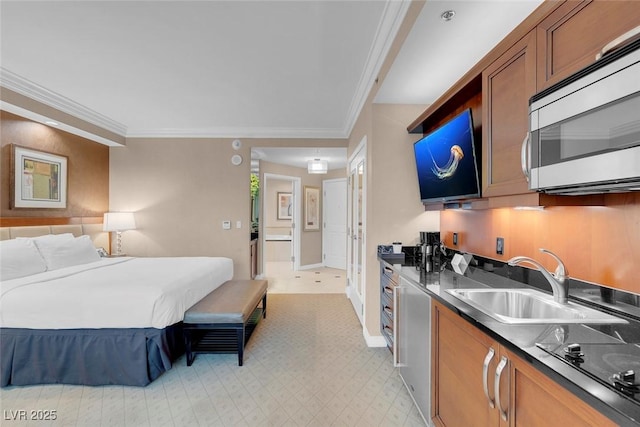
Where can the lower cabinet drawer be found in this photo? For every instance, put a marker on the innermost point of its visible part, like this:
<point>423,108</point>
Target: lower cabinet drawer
<point>386,325</point>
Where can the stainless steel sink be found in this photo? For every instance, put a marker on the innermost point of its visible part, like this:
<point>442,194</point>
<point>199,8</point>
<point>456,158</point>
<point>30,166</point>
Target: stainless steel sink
<point>527,306</point>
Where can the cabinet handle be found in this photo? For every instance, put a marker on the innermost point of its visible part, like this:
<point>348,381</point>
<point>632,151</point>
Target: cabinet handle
<point>388,310</point>
<point>615,43</point>
<point>388,290</point>
<point>496,386</point>
<point>485,376</point>
<point>388,331</point>
<point>524,156</point>
<point>396,358</point>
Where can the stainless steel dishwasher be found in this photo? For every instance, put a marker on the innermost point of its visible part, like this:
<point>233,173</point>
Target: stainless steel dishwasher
<point>413,356</point>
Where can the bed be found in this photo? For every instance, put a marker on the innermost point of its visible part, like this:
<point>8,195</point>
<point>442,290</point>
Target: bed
<point>83,319</point>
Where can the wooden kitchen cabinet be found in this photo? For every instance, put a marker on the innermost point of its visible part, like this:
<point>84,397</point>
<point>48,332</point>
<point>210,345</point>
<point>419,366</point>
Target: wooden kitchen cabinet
<point>569,38</point>
<point>507,85</point>
<point>460,353</point>
<point>537,400</point>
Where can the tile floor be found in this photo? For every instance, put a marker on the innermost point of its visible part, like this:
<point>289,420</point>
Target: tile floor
<point>306,365</point>
<point>322,280</point>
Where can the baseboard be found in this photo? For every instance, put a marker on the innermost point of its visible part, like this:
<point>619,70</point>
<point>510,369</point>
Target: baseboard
<point>373,340</point>
<point>310,266</point>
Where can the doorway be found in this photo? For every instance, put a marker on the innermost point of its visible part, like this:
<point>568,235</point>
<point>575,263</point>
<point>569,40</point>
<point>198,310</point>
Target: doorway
<point>289,166</point>
<point>280,233</point>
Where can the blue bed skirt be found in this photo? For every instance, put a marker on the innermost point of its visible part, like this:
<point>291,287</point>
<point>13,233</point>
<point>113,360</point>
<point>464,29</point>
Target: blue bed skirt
<point>132,357</point>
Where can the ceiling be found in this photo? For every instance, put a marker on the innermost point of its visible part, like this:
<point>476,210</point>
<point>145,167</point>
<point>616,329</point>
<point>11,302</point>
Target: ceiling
<point>437,53</point>
<point>264,68</point>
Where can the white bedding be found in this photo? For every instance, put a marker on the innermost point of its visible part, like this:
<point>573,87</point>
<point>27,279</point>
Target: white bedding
<point>111,293</point>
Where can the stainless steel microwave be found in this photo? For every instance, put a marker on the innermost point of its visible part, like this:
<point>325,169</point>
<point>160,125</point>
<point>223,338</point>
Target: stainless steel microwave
<point>585,130</point>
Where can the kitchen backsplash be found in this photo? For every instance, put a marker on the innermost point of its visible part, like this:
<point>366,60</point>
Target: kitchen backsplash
<point>598,244</point>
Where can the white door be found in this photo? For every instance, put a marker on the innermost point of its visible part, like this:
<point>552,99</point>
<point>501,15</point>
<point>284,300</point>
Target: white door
<point>334,230</point>
<point>356,204</point>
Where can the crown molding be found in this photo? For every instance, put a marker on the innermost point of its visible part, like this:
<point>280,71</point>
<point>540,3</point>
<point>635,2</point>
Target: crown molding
<point>19,84</point>
<point>22,86</point>
<point>19,111</point>
<point>390,24</point>
<point>229,132</point>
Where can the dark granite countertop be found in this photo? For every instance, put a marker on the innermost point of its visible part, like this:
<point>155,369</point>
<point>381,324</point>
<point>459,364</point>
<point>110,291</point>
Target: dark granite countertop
<point>522,339</point>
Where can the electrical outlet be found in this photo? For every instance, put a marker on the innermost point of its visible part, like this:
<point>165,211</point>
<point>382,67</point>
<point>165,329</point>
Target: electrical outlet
<point>500,246</point>
<point>455,239</point>
<point>226,225</point>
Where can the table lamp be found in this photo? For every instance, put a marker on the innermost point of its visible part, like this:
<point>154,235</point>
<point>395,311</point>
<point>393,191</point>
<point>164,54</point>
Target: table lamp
<point>118,222</point>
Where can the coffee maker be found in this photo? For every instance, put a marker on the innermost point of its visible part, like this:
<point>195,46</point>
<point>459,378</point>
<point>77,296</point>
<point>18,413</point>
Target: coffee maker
<point>429,249</point>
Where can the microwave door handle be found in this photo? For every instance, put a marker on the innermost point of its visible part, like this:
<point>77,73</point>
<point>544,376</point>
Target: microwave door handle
<point>524,156</point>
<point>617,42</point>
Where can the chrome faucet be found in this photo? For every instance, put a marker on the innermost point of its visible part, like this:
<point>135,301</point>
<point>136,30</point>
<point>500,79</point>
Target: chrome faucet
<point>559,280</point>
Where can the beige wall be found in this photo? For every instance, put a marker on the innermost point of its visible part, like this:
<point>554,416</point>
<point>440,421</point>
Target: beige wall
<point>182,189</point>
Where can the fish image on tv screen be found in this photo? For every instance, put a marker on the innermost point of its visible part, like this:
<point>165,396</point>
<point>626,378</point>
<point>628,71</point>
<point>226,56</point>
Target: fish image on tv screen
<point>446,161</point>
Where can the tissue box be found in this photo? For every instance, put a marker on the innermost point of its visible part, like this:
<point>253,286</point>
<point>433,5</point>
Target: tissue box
<point>460,262</point>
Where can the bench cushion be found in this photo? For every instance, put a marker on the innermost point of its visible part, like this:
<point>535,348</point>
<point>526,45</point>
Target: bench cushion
<point>232,302</point>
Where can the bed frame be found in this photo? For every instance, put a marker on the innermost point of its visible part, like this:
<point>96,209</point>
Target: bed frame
<point>94,231</point>
<point>83,356</point>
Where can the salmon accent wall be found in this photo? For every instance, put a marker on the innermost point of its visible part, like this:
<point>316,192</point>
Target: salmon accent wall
<point>87,166</point>
<point>599,244</point>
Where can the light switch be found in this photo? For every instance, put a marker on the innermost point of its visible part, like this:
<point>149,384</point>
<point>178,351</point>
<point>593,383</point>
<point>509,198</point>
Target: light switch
<point>226,225</point>
<point>238,224</point>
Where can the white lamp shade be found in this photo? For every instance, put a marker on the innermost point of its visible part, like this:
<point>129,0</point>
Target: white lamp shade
<point>118,221</point>
<point>317,166</point>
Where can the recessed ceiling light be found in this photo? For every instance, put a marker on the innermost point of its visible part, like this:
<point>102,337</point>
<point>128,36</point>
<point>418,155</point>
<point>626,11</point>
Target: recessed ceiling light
<point>51,123</point>
<point>448,15</point>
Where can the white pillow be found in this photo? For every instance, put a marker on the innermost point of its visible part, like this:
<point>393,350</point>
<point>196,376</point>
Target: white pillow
<point>65,253</point>
<point>49,238</point>
<point>19,258</point>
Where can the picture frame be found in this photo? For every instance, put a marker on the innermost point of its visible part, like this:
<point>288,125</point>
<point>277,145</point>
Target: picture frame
<point>311,208</point>
<point>39,179</point>
<point>285,208</point>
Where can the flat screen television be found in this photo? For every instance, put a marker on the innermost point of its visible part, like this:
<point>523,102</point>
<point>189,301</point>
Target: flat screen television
<point>446,162</point>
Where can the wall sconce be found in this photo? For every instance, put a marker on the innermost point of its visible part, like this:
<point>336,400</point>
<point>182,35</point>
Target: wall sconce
<point>118,222</point>
<point>317,166</point>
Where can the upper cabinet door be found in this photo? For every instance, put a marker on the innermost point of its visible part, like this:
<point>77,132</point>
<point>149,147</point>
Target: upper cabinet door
<point>507,85</point>
<point>571,36</point>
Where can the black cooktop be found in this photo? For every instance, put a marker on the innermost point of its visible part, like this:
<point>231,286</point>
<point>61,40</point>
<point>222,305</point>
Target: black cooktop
<point>615,365</point>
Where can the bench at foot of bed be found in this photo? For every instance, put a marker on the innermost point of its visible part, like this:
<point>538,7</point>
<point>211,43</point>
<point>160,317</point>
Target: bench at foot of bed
<point>223,321</point>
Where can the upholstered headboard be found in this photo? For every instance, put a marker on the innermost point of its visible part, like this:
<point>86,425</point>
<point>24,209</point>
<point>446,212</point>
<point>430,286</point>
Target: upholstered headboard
<point>94,231</point>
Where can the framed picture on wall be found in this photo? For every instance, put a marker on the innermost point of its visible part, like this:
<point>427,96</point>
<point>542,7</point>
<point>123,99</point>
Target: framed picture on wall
<point>39,179</point>
<point>285,210</point>
<point>311,208</point>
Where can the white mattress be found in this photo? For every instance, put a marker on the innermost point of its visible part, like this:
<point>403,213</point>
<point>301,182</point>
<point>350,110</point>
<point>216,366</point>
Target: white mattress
<point>112,293</point>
